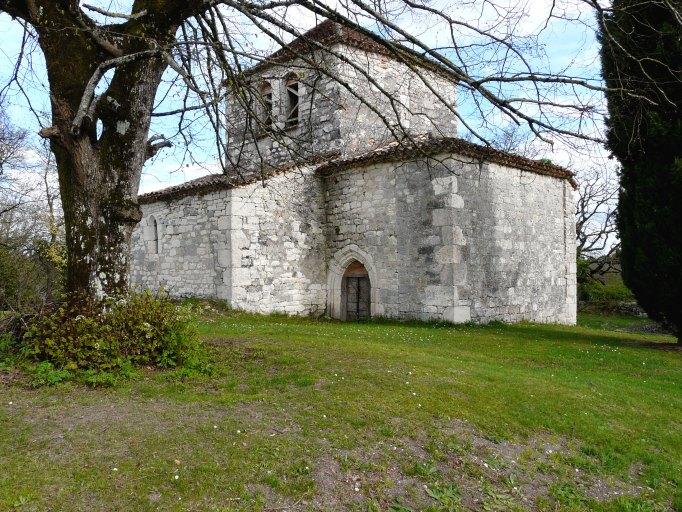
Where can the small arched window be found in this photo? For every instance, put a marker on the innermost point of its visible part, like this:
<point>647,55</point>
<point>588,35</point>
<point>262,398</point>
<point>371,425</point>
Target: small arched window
<point>266,106</point>
<point>293,98</point>
<point>154,234</point>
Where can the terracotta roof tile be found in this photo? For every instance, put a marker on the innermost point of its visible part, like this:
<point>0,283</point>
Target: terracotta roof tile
<point>426,145</point>
<point>329,32</point>
<point>234,177</point>
<point>197,186</point>
<point>418,147</point>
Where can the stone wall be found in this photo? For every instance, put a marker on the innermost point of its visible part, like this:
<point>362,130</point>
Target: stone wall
<point>192,232</point>
<point>411,100</point>
<point>385,211</point>
<point>278,261</point>
<point>457,240</point>
<point>446,238</point>
<point>260,248</point>
<point>520,249</point>
<point>336,118</point>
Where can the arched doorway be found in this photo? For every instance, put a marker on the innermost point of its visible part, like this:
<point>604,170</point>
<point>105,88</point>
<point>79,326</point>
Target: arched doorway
<point>356,292</point>
<point>338,264</point>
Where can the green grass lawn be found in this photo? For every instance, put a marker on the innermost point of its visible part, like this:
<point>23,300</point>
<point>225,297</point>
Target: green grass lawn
<point>314,415</point>
<point>618,322</point>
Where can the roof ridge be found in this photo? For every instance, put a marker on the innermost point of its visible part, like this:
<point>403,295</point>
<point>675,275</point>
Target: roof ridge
<point>425,145</point>
<point>429,145</point>
<point>330,31</point>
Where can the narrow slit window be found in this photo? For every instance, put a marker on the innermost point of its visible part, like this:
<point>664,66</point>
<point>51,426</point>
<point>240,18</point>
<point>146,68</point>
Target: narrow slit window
<point>293,101</point>
<point>155,236</point>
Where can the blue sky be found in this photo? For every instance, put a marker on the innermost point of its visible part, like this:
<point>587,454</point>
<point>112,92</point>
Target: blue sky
<point>562,44</point>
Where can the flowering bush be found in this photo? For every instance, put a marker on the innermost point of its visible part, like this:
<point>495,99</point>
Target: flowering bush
<point>141,329</point>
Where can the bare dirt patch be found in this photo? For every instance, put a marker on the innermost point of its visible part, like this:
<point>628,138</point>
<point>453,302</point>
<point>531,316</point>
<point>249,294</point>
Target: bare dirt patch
<point>11,377</point>
<point>488,475</point>
<point>410,470</point>
<point>496,475</point>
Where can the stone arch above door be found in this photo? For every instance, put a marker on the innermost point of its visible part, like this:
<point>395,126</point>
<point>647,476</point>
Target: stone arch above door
<point>337,266</point>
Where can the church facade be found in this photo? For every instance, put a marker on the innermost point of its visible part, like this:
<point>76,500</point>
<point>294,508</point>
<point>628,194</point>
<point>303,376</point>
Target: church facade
<point>327,212</point>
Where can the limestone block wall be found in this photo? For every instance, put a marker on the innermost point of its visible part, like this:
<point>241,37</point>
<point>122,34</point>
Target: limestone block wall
<point>517,260</point>
<point>455,240</point>
<point>421,100</point>
<point>384,213</point>
<point>278,251</point>
<point>361,215</point>
<point>192,234</point>
<point>445,238</point>
<point>259,248</point>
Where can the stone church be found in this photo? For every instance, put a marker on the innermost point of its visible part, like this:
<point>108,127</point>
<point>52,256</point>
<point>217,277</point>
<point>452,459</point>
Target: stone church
<point>325,211</point>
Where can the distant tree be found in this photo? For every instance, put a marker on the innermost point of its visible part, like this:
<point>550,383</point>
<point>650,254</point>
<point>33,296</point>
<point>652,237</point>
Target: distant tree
<point>31,227</point>
<point>514,138</point>
<point>12,141</point>
<point>598,242</point>
<point>642,51</point>
<point>12,147</point>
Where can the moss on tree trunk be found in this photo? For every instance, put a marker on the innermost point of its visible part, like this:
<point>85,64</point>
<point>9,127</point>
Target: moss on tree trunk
<point>99,220</point>
<point>100,141</point>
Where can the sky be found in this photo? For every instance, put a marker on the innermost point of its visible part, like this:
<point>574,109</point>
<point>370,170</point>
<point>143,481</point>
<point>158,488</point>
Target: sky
<point>566,42</point>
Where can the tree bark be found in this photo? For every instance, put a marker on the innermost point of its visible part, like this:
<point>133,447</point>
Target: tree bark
<point>100,150</point>
<point>99,176</point>
<point>99,218</point>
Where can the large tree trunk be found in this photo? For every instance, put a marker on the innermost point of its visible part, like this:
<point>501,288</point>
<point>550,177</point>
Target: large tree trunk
<point>100,150</point>
<point>99,179</point>
<point>99,176</point>
<point>100,213</point>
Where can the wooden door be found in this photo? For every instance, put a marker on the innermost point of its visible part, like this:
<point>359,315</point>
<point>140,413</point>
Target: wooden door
<point>357,298</point>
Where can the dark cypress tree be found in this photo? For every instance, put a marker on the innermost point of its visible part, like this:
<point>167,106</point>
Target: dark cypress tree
<point>642,61</point>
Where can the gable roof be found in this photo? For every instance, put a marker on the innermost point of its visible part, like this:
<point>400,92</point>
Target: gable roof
<point>330,32</point>
<point>417,147</point>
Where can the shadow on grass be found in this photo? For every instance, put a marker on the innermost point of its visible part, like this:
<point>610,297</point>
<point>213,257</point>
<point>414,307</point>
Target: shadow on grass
<point>544,332</point>
<point>560,333</point>
<point>525,330</point>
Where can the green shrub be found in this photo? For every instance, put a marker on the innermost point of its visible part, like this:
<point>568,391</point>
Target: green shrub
<point>583,272</point>
<point>607,295</point>
<point>97,379</point>
<point>31,277</point>
<point>141,329</point>
<point>6,348</point>
<point>6,343</point>
<point>45,374</point>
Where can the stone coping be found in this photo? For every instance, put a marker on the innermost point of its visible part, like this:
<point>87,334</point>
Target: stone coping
<point>424,146</point>
<point>428,146</point>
